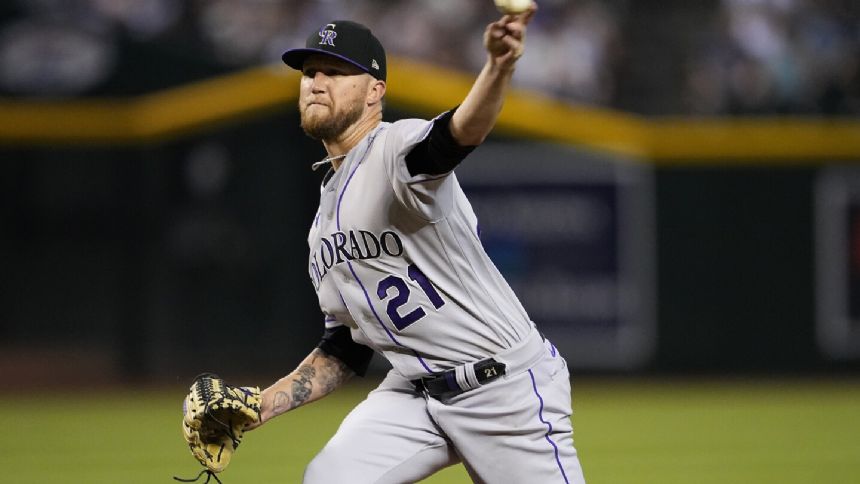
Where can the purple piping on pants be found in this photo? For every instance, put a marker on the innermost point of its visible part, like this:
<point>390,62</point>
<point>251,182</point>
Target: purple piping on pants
<point>549,428</point>
<point>349,264</point>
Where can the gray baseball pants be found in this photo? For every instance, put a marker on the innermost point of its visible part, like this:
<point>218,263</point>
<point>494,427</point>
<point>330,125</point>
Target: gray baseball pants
<point>513,430</point>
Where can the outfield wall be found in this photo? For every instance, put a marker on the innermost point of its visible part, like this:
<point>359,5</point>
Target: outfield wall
<point>152,230</point>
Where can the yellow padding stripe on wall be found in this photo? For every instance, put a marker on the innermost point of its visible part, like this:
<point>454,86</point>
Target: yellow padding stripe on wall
<point>149,117</point>
<point>762,140</point>
<point>428,90</point>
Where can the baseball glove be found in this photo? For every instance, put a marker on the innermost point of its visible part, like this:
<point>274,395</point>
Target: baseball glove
<point>214,418</point>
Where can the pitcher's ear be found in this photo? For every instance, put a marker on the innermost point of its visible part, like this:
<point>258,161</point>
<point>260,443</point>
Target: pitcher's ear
<point>375,91</point>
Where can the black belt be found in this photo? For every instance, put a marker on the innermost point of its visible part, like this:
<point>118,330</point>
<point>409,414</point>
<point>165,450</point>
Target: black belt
<point>445,383</point>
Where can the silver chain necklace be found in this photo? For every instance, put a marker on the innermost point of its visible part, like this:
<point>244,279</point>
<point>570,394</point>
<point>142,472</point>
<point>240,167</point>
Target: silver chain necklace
<point>326,160</point>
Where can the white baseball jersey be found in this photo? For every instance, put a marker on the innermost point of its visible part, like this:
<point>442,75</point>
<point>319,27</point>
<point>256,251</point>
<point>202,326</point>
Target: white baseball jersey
<point>397,258</point>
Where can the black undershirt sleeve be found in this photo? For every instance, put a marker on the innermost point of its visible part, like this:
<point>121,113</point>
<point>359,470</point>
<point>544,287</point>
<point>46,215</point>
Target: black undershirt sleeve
<point>439,152</point>
<point>338,342</point>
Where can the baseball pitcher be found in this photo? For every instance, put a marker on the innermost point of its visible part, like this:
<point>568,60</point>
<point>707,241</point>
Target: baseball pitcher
<point>399,269</point>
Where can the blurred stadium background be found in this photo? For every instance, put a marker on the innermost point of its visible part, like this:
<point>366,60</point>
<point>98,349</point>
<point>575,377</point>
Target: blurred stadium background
<point>673,189</point>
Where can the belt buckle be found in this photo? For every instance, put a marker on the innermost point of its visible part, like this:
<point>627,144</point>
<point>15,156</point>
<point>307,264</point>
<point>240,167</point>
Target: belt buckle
<point>421,386</point>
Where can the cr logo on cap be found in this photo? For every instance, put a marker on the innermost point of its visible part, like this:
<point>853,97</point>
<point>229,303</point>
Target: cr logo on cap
<point>327,35</point>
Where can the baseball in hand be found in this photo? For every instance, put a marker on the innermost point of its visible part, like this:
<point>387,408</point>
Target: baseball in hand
<point>513,7</point>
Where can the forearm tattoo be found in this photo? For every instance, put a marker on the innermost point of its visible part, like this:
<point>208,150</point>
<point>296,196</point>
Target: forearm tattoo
<point>333,373</point>
<point>304,384</point>
<point>324,371</point>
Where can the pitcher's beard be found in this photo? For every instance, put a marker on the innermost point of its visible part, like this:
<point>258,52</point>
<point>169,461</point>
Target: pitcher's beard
<point>324,128</point>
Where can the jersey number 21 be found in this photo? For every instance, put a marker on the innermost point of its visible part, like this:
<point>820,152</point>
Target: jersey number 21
<point>402,296</point>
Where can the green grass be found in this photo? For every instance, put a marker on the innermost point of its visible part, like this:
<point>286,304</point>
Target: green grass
<point>627,431</point>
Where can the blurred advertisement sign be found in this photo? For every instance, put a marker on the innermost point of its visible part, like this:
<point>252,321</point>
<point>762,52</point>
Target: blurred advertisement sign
<point>573,234</point>
<point>837,195</point>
